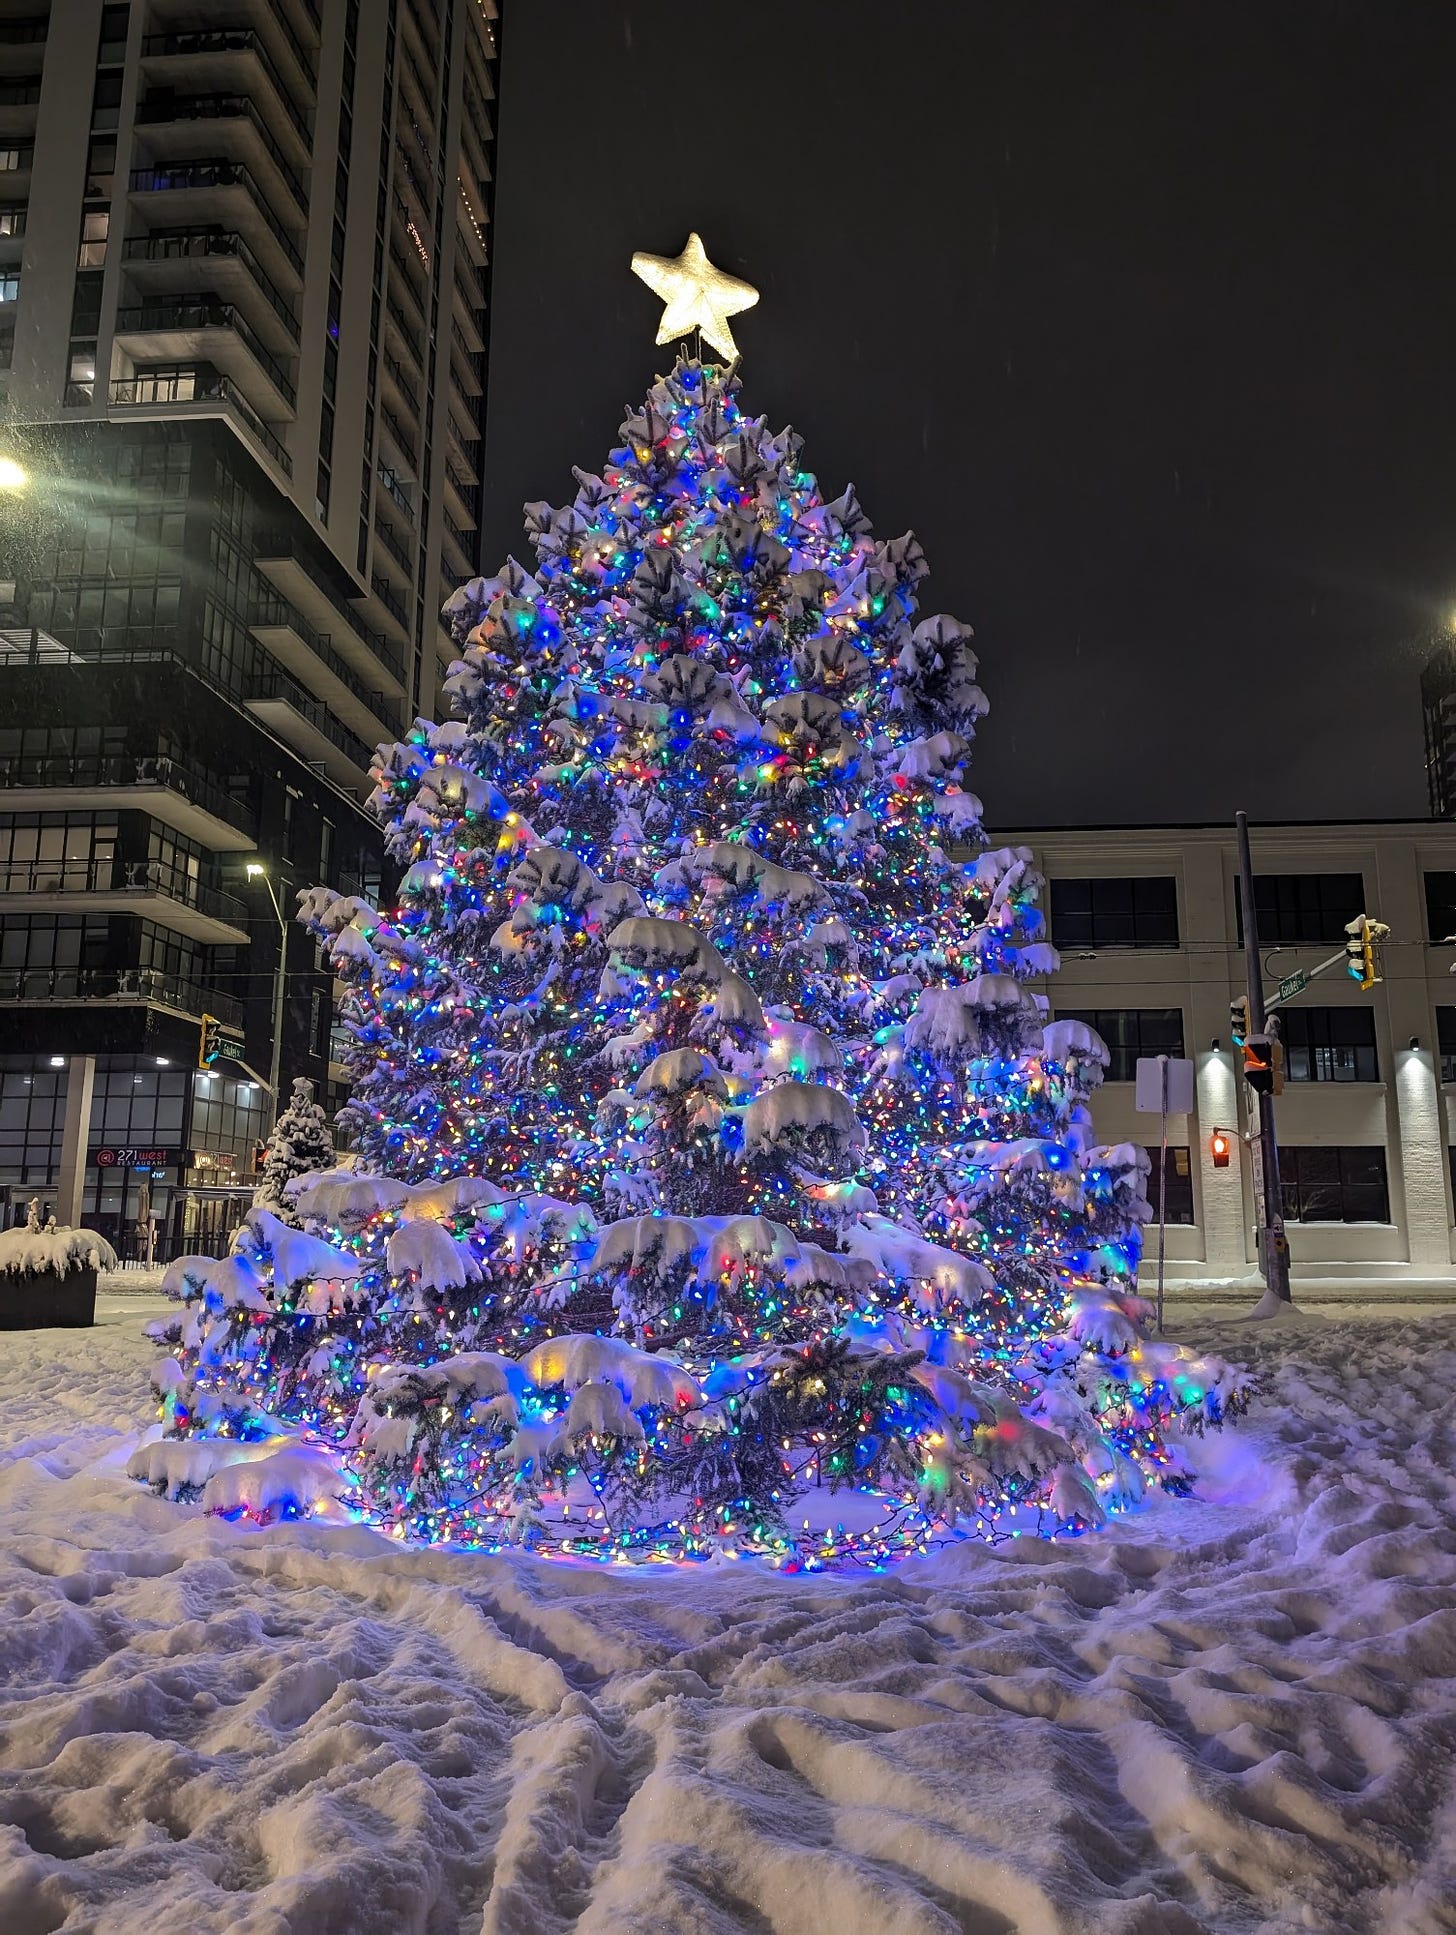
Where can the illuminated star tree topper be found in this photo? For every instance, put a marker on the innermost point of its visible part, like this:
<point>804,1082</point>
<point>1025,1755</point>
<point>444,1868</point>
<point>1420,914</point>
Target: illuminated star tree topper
<point>697,294</point>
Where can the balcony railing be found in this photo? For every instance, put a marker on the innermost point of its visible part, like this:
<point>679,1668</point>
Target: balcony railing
<point>92,770</point>
<point>468,281</point>
<point>409,385</point>
<point>383,592</point>
<point>278,612</point>
<point>160,109</point>
<point>214,172</point>
<point>402,437</point>
<point>404,279</point>
<point>278,686</point>
<point>401,556</point>
<point>192,244</point>
<point>148,986</point>
<point>231,40</point>
<point>106,874</point>
<point>396,495</point>
<point>272,545</point>
<point>199,386</point>
<point>462,538</point>
<point>202,312</point>
<point>412,342</point>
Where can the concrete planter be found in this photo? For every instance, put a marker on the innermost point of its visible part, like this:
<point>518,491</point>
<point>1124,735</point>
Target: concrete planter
<point>47,1299</point>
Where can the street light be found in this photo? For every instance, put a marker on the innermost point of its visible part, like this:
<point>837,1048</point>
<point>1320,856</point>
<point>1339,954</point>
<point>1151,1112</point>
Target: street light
<point>13,476</point>
<point>257,871</point>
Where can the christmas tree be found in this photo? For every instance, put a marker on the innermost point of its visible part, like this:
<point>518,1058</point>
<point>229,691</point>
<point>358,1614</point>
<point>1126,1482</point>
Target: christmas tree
<point>301,1143</point>
<point>722,1183</point>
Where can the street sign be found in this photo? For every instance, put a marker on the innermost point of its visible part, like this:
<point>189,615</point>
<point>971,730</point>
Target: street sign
<point>1293,984</point>
<point>219,1043</point>
<point>1152,1098</point>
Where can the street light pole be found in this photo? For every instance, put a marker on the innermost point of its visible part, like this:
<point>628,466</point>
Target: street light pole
<point>258,872</point>
<point>1273,1243</point>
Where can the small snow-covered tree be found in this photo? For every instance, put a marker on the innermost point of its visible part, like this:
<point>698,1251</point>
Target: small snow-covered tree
<point>723,1178</point>
<point>301,1143</point>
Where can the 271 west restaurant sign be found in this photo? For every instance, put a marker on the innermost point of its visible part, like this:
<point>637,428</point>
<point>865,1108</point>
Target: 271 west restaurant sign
<point>128,1156</point>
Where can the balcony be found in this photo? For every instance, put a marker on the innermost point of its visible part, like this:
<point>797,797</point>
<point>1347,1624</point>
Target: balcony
<point>399,322</point>
<point>389,600</point>
<point>405,384</point>
<point>16,161</point>
<point>303,723</point>
<point>406,464</point>
<point>198,393</point>
<point>287,634</point>
<point>287,566</point>
<point>192,126</point>
<point>200,326</point>
<point>151,889</point>
<point>465,363</point>
<point>403,557</point>
<point>228,60</point>
<point>120,987</point>
<point>176,260</point>
<point>176,795</point>
<point>213,189</point>
<point>18,103</point>
<point>467,333</point>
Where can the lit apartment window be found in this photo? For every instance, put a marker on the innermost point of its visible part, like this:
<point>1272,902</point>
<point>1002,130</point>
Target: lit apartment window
<point>1329,1045</point>
<point>1334,1185</point>
<point>95,226</point>
<point>1115,913</point>
<point>9,287</point>
<point>1131,1032</point>
<point>1179,1182</point>
<point>12,223</point>
<point>81,376</point>
<point>13,158</point>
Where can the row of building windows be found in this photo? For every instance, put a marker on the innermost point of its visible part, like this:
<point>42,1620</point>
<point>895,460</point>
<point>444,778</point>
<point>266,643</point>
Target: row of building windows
<point>1293,910</point>
<point>1331,1184</point>
<point>1320,1044</point>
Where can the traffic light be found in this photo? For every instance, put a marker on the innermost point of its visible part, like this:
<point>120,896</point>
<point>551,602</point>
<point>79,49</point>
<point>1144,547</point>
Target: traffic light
<point>1362,958</point>
<point>1239,1020</point>
<point>219,1043</point>
<point>1219,1144</point>
<point>1259,1064</point>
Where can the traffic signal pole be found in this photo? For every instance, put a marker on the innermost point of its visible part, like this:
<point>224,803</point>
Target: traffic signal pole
<point>1273,1243</point>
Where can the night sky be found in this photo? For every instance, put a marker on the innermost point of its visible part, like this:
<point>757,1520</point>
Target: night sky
<point>1142,316</point>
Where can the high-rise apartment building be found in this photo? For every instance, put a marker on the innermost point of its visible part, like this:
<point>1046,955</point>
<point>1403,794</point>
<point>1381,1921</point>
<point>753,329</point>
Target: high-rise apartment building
<point>243,268</point>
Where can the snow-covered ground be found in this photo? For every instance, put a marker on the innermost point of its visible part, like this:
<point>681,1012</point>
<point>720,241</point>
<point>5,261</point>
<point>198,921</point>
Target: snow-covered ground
<point>1234,1713</point>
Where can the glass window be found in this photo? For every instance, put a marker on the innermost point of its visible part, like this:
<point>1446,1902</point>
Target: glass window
<point>1446,1042</point>
<point>1440,908</point>
<point>9,286</point>
<point>1179,1183</point>
<point>1329,1044</point>
<point>1136,912</point>
<point>95,227</point>
<point>1334,1185</point>
<point>1303,909</point>
<point>1131,1032</point>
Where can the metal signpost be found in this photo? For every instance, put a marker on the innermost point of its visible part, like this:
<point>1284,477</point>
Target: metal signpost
<point>1164,1088</point>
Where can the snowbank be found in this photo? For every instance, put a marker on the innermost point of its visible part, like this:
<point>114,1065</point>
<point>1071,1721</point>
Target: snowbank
<point>1223,1714</point>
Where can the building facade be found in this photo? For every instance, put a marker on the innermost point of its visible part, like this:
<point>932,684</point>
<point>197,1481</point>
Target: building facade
<point>1147,924</point>
<point>243,287</point>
